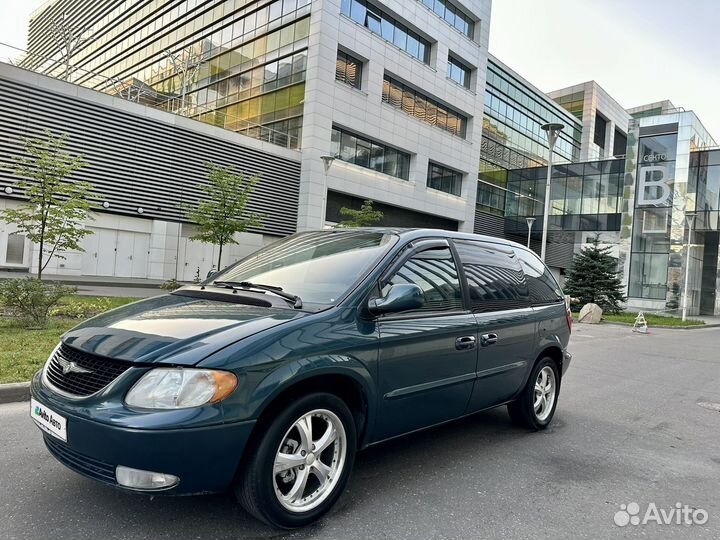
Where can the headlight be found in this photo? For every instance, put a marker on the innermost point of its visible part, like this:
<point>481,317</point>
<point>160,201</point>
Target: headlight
<point>177,388</point>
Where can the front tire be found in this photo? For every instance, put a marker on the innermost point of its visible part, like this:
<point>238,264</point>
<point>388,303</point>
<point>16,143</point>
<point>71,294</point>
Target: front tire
<point>302,462</point>
<point>535,407</point>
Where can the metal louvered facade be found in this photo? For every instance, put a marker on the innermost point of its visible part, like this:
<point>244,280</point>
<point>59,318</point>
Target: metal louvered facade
<point>142,158</point>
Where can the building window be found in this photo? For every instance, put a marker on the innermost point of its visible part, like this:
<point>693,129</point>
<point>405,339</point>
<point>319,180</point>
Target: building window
<point>348,69</point>
<point>600,129</point>
<point>423,107</point>
<point>458,72</point>
<point>444,179</point>
<point>359,150</point>
<point>619,144</point>
<point>452,15</point>
<point>385,26</point>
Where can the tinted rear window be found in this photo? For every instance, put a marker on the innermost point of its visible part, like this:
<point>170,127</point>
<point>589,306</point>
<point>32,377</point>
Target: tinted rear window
<point>494,275</point>
<point>541,283</point>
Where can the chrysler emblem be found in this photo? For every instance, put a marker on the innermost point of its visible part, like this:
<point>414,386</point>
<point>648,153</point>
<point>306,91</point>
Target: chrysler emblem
<point>71,367</point>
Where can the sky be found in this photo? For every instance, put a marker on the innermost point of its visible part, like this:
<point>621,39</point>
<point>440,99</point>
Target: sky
<point>639,51</point>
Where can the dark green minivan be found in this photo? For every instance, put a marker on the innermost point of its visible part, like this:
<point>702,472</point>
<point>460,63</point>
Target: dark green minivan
<point>271,375</point>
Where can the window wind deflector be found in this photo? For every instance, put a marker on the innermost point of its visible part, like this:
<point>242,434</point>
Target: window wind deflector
<point>293,299</point>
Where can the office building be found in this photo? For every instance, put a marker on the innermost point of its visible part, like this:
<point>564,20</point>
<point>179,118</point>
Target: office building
<point>332,102</point>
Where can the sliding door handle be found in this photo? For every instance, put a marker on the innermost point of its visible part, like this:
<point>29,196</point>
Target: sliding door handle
<point>488,339</point>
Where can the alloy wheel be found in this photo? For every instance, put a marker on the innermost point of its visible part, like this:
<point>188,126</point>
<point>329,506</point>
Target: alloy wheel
<point>309,460</point>
<point>544,396</point>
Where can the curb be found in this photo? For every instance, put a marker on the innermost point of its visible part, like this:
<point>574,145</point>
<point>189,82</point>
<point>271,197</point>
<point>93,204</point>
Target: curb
<point>13,392</point>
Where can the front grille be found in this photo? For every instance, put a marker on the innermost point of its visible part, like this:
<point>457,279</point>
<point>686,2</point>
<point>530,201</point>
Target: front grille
<point>101,371</point>
<point>80,463</point>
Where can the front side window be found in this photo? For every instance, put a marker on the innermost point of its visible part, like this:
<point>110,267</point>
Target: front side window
<point>434,271</point>
<point>544,289</point>
<point>494,276</point>
<point>318,266</point>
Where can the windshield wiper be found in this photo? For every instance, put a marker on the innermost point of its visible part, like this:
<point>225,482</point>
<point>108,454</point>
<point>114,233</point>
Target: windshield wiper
<point>295,300</point>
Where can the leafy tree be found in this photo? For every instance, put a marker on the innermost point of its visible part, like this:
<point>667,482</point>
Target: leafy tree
<point>365,217</point>
<point>223,213</point>
<point>56,207</point>
<point>594,278</point>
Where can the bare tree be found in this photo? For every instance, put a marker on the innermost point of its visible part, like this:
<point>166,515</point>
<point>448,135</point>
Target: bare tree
<point>69,40</point>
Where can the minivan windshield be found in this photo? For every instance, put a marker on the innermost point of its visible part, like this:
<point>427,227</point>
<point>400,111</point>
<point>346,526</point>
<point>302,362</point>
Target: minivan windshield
<point>318,266</point>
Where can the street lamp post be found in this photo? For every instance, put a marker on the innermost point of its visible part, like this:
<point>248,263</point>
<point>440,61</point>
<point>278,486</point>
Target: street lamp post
<point>691,222</point>
<point>553,132</point>
<point>530,222</point>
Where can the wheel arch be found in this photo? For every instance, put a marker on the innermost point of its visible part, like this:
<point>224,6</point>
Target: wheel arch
<point>345,377</point>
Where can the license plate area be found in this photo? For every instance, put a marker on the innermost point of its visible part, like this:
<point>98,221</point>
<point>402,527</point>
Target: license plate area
<point>48,420</point>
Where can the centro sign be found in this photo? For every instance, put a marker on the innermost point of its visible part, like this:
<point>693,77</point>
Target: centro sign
<point>653,158</point>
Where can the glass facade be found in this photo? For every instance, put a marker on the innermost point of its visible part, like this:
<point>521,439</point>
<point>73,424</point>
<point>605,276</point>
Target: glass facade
<point>238,64</point>
<point>652,222</point>
<point>444,179</point>
<point>574,103</point>
<point>387,27</point>
<point>348,69</point>
<point>514,113</point>
<point>583,196</point>
<point>359,150</point>
<point>492,188</point>
<point>704,183</point>
<point>458,72</point>
<point>423,107</point>
<point>453,15</point>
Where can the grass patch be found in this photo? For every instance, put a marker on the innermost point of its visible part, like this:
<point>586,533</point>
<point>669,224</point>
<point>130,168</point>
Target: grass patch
<point>24,351</point>
<point>652,319</point>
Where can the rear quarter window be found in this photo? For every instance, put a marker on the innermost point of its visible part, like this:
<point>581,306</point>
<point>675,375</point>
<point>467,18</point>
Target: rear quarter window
<point>543,287</point>
<point>494,276</point>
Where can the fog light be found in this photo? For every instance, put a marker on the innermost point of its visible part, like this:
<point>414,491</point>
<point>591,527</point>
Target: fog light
<point>146,480</point>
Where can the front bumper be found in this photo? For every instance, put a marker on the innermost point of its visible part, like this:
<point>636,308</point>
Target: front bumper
<point>205,459</point>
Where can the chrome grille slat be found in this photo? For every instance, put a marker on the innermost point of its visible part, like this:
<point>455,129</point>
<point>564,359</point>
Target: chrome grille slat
<point>103,371</point>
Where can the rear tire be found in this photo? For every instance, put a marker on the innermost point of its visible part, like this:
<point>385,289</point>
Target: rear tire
<point>535,407</point>
<point>301,464</point>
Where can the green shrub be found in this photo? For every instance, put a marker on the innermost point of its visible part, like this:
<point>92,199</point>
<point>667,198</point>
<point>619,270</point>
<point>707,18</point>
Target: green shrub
<point>170,285</point>
<point>74,308</point>
<point>30,300</point>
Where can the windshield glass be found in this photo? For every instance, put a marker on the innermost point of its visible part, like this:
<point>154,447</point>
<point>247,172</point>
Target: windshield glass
<point>318,266</point>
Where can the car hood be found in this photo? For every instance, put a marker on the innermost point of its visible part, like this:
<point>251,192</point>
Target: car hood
<point>173,329</point>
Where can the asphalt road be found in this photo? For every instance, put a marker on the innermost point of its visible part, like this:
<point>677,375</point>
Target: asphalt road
<point>628,429</point>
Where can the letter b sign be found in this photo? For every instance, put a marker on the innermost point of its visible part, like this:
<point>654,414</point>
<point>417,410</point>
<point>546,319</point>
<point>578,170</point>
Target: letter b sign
<point>653,188</point>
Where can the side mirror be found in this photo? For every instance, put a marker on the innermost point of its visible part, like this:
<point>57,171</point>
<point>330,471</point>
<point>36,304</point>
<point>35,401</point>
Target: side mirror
<point>400,297</point>
<point>211,274</point>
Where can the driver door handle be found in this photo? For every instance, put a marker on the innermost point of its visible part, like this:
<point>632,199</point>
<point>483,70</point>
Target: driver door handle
<point>488,339</point>
<point>464,343</point>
